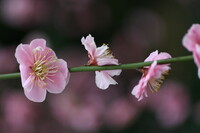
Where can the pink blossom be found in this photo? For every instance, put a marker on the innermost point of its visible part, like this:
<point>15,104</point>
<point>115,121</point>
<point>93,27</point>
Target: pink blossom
<point>191,41</point>
<point>100,56</point>
<point>153,75</point>
<point>40,70</point>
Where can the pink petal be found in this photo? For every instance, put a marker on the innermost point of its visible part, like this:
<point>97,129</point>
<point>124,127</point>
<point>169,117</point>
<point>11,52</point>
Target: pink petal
<point>62,67</point>
<point>101,50</point>
<point>24,55</point>
<point>196,55</point>
<point>107,61</point>
<point>192,38</point>
<point>195,30</point>
<point>38,43</point>
<point>89,44</point>
<point>36,94</point>
<point>159,70</point>
<point>57,83</point>
<point>151,72</point>
<point>50,53</point>
<point>156,71</point>
<point>25,76</point>
<point>28,84</point>
<point>151,56</point>
<point>162,55</point>
<point>113,72</point>
<point>138,91</point>
<point>103,80</point>
<point>25,72</point>
<point>188,43</point>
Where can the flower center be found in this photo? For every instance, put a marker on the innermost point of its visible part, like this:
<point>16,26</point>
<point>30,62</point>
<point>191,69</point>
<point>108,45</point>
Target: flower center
<point>40,70</point>
<point>44,66</point>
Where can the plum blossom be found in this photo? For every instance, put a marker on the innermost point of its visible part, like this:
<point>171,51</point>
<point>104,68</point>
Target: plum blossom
<point>152,76</point>
<point>191,41</point>
<point>100,56</point>
<point>40,70</point>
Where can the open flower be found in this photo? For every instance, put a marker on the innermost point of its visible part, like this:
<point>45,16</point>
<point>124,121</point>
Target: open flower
<point>191,41</point>
<point>152,76</point>
<point>100,56</point>
<point>40,70</point>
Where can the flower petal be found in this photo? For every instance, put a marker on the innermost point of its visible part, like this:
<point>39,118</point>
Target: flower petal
<point>138,91</point>
<point>162,56</point>
<point>188,43</point>
<point>151,72</point>
<point>192,38</point>
<point>38,43</point>
<point>62,67</point>
<point>48,52</point>
<point>24,71</point>
<point>36,94</point>
<point>101,50</point>
<point>24,55</point>
<point>103,80</point>
<point>113,72</point>
<point>107,61</point>
<point>89,44</point>
<point>196,55</point>
<point>151,56</point>
<point>26,78</point>
<point>56,84</point>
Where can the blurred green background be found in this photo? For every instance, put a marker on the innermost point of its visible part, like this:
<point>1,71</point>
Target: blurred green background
<point>133,29</point>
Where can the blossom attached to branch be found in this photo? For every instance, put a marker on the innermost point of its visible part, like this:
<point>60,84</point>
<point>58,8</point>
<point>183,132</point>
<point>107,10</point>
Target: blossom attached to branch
<point>191,41</point>
<point>100,56</point>
<point>40,70</point>
<point>152,76</point>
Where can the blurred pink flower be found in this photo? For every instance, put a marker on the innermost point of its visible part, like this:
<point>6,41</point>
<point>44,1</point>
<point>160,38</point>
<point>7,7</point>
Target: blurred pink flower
<point>41,70</point>
<point>152,76</point>
<point>120,113</point>
<point>191,41</point>
<point>100,56</point>
<point>19,114</point>
<point>172,105</point>
<point>76,112</point>
<point>24,13</point>
<point>83,113</point>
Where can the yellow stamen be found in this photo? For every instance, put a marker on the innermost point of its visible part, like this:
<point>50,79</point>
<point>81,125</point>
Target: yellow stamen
<point>154,84</point>
<point>43,67</point>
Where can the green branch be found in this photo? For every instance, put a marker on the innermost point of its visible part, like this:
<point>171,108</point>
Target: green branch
<point>122,66</point>
<point>130,65</point>
<point>9,76</point>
